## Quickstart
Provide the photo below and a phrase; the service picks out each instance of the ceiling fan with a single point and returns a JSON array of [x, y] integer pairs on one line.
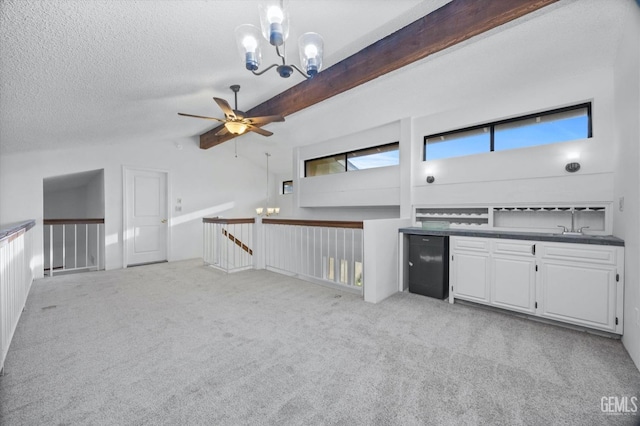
[[235, 121]]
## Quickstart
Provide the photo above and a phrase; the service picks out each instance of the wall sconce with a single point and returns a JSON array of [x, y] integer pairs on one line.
[[573, 164], [430, 179], [572, 167]]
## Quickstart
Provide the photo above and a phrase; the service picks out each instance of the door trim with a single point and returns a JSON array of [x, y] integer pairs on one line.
[[125, 224]]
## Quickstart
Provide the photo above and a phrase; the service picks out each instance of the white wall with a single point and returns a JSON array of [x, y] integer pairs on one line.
[[378, 187], [65, 204], [94, 197], [83, 200], [381, 262], [534, 174], [210, 182], [627, 176]]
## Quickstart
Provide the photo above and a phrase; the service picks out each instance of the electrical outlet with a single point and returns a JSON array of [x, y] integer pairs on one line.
[[179, 201], [178, 208], [621, 204], [93, 260]]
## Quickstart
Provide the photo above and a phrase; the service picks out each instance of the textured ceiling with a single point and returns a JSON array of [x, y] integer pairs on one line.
[[109, 71], [106, 72]]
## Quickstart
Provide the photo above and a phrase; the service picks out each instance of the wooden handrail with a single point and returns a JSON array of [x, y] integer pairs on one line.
[[71, 221], [322, 223], [15, 230], [227, 221]]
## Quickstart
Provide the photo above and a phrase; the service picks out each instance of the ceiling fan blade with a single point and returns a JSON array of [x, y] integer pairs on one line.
[[259, 130], [226, 108], [265, 119], [200, 116], [222, 131]]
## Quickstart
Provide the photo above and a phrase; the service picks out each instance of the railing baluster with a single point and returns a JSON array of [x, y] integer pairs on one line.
[[16, 278], [86, 245], [50, 250], [76, 235], [64, 248], [97, 246], [352, 276], [75, 245], [313, 250], [228, 243]]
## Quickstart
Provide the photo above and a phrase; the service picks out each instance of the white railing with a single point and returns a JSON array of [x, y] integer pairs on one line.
[[228, 243], [16, 276], [324, 251], [73, 244]]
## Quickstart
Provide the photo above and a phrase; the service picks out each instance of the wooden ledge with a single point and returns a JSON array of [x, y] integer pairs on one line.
[[71, 221], [227, 221], [322, 223]]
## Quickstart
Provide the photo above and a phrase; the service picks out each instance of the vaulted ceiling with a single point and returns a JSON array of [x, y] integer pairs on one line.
[[109, 72]]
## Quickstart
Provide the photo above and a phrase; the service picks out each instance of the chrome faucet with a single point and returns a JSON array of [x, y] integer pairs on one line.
[[573, 230]]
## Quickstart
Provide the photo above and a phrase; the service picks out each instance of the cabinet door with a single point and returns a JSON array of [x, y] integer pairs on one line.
[[579, 293], [471, 276], [513, 275], [513, 284]]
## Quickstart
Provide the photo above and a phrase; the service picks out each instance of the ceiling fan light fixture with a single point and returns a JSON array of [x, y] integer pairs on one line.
[[274, 20], [311, 46], [236, 127], [248, 39]]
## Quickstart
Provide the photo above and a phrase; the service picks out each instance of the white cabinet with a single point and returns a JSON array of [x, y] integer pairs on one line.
[[581, 284], [575, 283], [471, 276], [513, 284]]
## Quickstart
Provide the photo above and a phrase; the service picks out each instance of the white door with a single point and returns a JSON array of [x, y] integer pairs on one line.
[[146, 220]]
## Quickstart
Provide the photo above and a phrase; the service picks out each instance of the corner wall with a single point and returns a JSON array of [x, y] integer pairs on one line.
[[627, 175]]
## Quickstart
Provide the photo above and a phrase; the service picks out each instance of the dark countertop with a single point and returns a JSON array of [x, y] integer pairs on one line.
[[603, 240], [7, 230]]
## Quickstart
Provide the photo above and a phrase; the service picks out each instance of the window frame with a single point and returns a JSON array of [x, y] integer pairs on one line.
[[284, 183], [345, 155], [492, 126]]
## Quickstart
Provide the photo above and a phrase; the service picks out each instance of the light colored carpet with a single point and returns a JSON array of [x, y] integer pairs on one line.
[[180, 343]]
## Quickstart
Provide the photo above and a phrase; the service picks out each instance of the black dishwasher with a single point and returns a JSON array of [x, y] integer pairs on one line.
[[429, 265]]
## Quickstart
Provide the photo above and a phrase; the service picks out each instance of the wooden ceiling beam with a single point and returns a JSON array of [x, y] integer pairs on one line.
[[453, 23]]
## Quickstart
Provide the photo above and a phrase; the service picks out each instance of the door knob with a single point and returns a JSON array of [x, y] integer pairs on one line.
[[164, 221]]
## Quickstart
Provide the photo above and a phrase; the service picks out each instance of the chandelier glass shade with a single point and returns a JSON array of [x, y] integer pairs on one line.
[[274, 21]]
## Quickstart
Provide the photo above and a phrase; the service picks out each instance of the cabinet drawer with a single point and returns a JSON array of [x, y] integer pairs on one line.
[[579, 253], [513, 248], [470, 244]]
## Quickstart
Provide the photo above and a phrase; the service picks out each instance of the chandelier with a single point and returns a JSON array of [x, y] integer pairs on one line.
[[267, 211], [274, 20]]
